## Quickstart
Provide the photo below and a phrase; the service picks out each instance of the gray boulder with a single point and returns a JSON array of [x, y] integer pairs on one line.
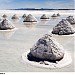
[[70, 19], [46, 49], [44, 17], [63, 28], [5, 25], [30, 18], [15, 17]]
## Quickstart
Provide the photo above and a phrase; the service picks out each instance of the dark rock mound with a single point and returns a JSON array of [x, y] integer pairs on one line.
[[24, 16], [44, 17], [58, 14], [15, 17], [45, 50], [4, 16], [54, 15], [71, 20], [5, 25], [63, 28], [30, 18]]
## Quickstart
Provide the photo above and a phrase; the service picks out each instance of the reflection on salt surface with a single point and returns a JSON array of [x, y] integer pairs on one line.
[[15, 21], [7, 33], [30, 25], [45, 21]]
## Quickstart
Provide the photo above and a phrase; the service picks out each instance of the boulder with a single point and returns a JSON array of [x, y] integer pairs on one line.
[[70, 19], [5, 25], [63, 28], [30, 18], [44, 17], [15, 17], [46, 49]]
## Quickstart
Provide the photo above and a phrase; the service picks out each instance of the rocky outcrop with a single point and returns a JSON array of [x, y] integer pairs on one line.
[[46, 49], [30, 18], [71, 20], [63, 28], [5, 25], [44, 17], [24, 16], [15, 17]]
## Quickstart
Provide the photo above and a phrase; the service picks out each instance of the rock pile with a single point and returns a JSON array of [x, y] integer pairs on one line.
[[44, 17], [24, 16], [70, 19], [63, 28], [4, 16], [30, 18], [15, 17], [5, 25], [46, 49]]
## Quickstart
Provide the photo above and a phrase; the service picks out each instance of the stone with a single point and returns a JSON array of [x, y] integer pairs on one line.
[[24, 16], [6, 24], [70, 19], [15, 17], [30, 18], [63, 28], [46, 50], [44, 17]]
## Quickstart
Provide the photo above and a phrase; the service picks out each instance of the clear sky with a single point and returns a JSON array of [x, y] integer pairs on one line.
[[8, 4]]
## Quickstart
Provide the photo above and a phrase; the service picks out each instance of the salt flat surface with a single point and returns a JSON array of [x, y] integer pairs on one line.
[[14, 44]]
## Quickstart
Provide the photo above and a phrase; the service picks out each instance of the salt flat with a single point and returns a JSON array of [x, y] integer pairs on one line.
[[14, 44]]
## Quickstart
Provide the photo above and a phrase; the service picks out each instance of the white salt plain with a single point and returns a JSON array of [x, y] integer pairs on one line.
[[13, 44]]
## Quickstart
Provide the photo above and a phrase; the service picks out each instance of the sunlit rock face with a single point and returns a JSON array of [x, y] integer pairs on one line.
[[63, 28], [44, 17], [54, 15], [15, 17], [46, 49], [6, 24], [30, 18], [24, 16], [4, 16], [70, 19]]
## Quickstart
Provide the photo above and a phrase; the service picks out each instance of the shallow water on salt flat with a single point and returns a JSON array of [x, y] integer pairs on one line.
[[13, 44]]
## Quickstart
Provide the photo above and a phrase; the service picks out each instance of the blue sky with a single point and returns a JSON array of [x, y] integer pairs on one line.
[[8, 4]]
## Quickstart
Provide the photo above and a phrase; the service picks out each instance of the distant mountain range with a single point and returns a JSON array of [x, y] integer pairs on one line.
[[39, 9]]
